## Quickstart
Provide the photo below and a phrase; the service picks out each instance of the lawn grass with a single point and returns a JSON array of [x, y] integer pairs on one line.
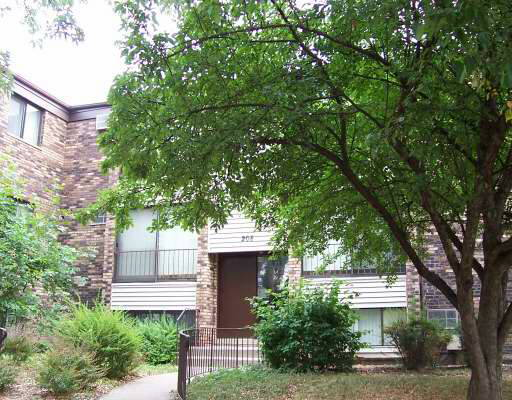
[[265, 384]]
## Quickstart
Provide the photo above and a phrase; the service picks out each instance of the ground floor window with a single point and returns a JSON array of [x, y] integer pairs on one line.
[[270, 274], [186, 319], [373, 321], [446, 318]]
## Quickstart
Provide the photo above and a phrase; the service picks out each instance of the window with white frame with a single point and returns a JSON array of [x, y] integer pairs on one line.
[[446, 318], [24, 120], [100, 219], [373, 321]]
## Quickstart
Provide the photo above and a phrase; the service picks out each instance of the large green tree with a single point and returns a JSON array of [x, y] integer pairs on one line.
[[367, 122]]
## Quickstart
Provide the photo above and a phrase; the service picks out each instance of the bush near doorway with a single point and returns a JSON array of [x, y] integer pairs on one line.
[[303, 329], [419, 341]]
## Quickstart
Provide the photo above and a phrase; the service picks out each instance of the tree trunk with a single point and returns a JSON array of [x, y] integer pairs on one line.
[[484, 348], [486, 383], [485, 353]]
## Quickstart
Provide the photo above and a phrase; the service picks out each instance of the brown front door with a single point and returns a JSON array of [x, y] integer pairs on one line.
[[237, 282]]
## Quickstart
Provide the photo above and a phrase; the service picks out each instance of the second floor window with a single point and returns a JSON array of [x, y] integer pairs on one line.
[[24, 120], [151, 256]]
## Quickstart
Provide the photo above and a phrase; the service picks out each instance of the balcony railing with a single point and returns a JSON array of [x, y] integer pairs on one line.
[[155, 265], [327, 264]]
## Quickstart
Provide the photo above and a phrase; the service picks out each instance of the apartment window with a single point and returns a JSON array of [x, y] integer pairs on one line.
[[23, 209], [448, 318], [24, 120], [373, 321], [100, 219], [270, 274], [332, 263], [145, 255]]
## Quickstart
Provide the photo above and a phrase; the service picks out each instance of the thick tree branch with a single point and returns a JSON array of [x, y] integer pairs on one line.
[[398, 232]]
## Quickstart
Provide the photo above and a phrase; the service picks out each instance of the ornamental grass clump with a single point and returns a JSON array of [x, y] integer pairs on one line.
[[159, 340], [8, 373], [303, 329], [111, 335], [19, 348]]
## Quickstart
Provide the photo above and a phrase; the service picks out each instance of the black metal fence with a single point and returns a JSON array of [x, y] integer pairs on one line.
[[3, 336], [155, 265], [206, 350]]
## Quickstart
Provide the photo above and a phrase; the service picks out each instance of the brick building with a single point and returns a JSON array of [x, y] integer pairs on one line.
[[53, 146]]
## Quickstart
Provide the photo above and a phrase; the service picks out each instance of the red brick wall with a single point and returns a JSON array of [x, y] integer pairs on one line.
[[207, 273], [41, 167], [82, 182], [432, 298]]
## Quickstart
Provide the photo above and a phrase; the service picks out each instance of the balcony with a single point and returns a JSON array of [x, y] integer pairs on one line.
[[155, 265], [311, 266]]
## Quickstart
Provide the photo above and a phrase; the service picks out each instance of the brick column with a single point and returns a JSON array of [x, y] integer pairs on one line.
[[207, 269], [413, 288], [109, 246], [293, 270]]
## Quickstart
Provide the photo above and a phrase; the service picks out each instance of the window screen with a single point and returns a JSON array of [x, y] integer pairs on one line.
[[447, 318], [373, 321]]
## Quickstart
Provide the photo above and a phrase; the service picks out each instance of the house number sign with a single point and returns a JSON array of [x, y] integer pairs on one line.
[[248, 238]]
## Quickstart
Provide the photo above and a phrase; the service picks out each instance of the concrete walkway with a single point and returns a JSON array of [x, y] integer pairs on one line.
[[155, 387]]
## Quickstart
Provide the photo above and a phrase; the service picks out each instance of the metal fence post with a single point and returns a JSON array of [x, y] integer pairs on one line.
[[182, 366]]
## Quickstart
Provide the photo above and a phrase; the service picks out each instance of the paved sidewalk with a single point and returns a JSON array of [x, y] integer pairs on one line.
[[155, 387]]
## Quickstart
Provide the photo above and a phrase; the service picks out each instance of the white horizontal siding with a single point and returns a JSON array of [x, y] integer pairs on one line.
[[230, 238], [368, 291], [153, 296]]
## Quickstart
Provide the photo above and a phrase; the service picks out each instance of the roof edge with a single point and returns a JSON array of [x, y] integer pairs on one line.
[[48, 102]]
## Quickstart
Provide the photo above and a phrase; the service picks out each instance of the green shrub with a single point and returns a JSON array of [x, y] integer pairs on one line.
[[419, 341], [8, 373], [66, 369], [110, 335], [19, 348], [304, 330], [159, 340]]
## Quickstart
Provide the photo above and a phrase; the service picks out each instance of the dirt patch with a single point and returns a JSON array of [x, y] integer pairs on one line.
[[26, 388]]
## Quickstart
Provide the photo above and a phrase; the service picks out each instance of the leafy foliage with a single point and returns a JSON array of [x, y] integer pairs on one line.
[[68, 369], [419, 341], [18, 348], [8, 373], [109, 334], [304, 330], [31, 255], [159, 340], [369, 123]]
